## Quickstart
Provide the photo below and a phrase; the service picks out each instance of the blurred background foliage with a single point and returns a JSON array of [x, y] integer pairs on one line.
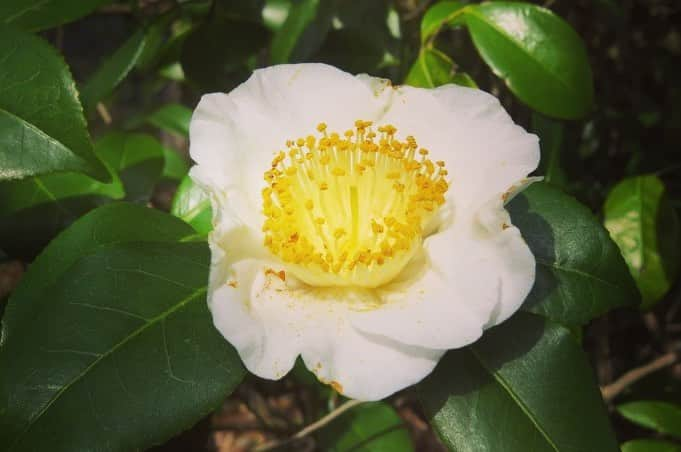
[[142, 65]]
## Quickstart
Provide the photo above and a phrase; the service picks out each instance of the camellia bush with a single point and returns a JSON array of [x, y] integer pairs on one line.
[[337, 225]]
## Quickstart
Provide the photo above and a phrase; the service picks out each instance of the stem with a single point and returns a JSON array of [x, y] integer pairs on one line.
[[616, 387], [310, 428]]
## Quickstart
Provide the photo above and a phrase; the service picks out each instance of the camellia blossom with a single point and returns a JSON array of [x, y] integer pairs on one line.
[[359, 225]]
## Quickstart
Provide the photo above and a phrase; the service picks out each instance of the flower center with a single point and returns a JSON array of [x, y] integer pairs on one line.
[[350, 210]]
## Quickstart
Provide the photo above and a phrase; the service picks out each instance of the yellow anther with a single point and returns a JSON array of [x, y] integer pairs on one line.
[[371, 219]]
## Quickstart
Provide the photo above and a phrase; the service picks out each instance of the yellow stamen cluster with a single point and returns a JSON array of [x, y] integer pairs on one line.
[[349, 210]]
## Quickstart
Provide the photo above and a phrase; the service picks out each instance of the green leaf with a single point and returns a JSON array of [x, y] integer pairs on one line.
[[172, 118], [537, 54], [112, 71], [580, 271], [442, 13], [550, 132], [663, 417], [122, 370], [303, 31], [138, 158], [646, 228], [175, 166], [372, 427], [525, 386], [38, 15], [215, 55], [192, 205], [34, 210], [42, 128], [650, 445], [433, 68]]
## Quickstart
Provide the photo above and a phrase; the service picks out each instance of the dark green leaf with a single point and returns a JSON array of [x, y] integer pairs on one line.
[[646, 228], [580, 271], [138, 159], [175, 166], [303, 31], [433, 68], [550, 132], [38, 15], [243, 9], [442, 13], [122, 370], [650, 445], [192, 205], [537, 54], [663, 417], [215, 55], [112, 71], [172, 118], [373, 427], [352, 50], [525, 386], [42, 128], [34, 210]]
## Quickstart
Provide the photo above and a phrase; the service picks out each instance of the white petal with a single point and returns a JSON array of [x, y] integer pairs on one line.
[[234, 136], [472, 275], [271, 322]]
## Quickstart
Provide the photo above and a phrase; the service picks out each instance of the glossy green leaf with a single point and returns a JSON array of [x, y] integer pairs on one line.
[[34, 210], [192, 205], [372, 427], [646, 228], [175, 166], [243, 9], [580, 271], [122, 370], [112, 71], [550, 132], [41, 14], [448, 12], [537, 54], [138, 159], [172, 118], [433, 68], [42, 128], [525, 386], [663, 417], [650, 445], [303, 31], [214, 56]]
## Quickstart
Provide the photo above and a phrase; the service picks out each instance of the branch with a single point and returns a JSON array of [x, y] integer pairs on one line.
[[312, 427], [613, 389]]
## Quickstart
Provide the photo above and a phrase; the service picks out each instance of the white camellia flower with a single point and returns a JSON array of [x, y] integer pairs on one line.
[[359, 225]]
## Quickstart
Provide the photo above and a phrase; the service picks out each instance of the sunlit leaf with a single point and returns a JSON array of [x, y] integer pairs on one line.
[[646, 228], [192, 205], [537, 54]]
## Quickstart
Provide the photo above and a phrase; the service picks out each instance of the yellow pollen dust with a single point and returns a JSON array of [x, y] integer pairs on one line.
[[349, 209]]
